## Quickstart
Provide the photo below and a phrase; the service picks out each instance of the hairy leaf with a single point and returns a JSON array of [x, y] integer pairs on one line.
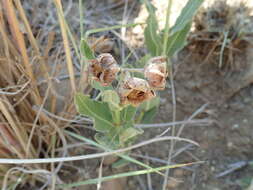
[[149, 115], [186, 15], [149, 110], [86, 50], [98, 86], [112, 98], [152, 38], [106, 141], [127, 114], [128, 134], [177, 40], [98, 111]]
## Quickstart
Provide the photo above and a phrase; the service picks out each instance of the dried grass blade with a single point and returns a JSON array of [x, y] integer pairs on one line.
[[19, 38], [66, 44]]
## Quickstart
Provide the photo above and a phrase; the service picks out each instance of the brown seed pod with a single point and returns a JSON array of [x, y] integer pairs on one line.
[[156, 72], [135, 91], [104, 69]]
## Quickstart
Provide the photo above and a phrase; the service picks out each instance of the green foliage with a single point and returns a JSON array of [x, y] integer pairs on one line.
[[98, 111], [98, 86], [173, 42], [127, 114], [186, 15], [149, 110], [114, 135], [86, 51], [129, 133], [177, 40], [120, 163], [152, 38], [245, 182], [177, 34], [113, 121], [107, 140], [112, 98]]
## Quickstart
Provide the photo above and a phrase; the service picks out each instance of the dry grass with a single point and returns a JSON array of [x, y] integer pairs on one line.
[[26, 130], [222, 32]]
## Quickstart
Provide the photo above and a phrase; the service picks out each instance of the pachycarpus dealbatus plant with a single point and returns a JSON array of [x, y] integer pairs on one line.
[[122, 98]]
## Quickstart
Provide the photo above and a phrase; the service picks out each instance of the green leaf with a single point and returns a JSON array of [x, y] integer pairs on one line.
[[86, 50], [150, 104], [98, 86], [245, 182], [179, 32], [177, 40], [112, 98], [120, 163], [106, 141], [149, 115], [128, 134], [149, 110], [152, 38], [127, 114], [186, 14], [98, 111]]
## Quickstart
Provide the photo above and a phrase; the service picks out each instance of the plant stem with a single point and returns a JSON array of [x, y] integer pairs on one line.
[[167, 28], [81, 17], [138, 70], [117, 117]]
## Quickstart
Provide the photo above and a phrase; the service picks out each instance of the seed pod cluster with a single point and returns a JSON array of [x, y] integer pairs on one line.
[[132, 90], [156, 72], [104, 69]]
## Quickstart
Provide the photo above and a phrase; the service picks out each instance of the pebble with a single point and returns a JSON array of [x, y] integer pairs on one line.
[[235, 126]]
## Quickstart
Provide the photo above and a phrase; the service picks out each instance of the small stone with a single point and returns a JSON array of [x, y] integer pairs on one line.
[[235, 126], [108, 160], [230, 144], [179, 173], [172, 183]]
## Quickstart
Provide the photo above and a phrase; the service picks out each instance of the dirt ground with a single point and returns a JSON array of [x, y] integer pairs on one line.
[[228, 140]]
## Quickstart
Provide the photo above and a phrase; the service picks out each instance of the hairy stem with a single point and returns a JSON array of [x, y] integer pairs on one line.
[[167, 28], [137, 70]]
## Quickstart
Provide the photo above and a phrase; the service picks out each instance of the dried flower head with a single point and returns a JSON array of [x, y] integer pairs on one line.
[[156, 72], [134, 91], [104, 69]]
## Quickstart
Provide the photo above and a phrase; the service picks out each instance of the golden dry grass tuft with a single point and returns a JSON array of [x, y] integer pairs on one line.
[[26, 87]]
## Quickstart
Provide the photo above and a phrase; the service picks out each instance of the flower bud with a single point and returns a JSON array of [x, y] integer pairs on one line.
[[135, 91], [156, 72], [104, 69]]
